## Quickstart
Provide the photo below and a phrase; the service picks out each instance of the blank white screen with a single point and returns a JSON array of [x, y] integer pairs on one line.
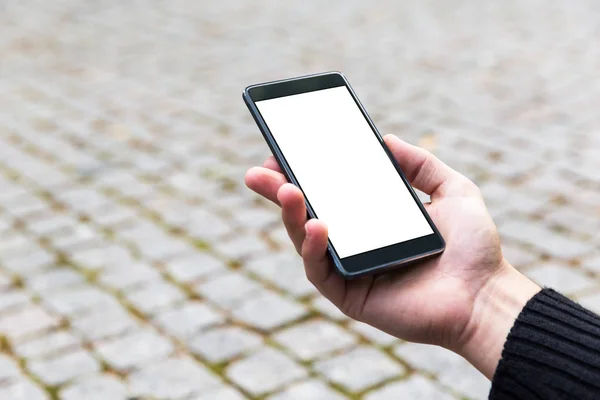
[[343, 170]]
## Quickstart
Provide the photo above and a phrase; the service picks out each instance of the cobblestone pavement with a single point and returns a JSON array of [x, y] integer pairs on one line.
[[134, 263]]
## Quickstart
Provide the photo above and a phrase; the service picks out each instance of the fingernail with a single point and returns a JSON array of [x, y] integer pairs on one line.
[[307, 231]]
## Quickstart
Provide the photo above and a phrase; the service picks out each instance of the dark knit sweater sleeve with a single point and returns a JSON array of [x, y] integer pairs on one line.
[[552, 352]]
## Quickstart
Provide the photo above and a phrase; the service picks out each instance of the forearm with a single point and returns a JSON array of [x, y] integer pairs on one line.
[[495, 310]]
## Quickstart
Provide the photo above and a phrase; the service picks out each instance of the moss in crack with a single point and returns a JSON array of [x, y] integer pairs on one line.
[[345, 392], [17, 282], [201, 245], [234, 264], [53, 392]]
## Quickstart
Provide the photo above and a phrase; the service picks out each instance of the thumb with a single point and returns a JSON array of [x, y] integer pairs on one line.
[[422, 169]]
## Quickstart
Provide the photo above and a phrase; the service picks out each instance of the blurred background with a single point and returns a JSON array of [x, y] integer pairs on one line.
[[135, 264]]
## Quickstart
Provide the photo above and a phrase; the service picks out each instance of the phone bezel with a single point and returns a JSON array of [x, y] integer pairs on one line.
[[372, 261]]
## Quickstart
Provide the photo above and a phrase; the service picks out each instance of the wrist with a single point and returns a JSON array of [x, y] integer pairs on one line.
[[495, 309]]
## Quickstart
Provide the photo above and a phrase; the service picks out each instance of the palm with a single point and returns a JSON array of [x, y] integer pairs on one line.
[[401, 303]]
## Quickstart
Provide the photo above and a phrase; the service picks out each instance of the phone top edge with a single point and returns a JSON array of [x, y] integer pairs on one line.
[[296, 78], [248, 88]]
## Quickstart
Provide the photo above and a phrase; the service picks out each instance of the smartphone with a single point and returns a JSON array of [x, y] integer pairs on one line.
[[326, 144]]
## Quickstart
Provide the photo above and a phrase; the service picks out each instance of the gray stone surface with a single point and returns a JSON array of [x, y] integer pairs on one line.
[[268, 310], [373, 334], [49, 344], [560, 277], [9, 369], [129, 276], [265, 371], [104, 323], [173, 378], [26, 322], [284, 270], [185, 321], [415, 387], [97, 387], [62, 368], [123, 145], [225, 343], [151, 298], [194, 266], [360, 368], [222, 393], [12, 300], [326, 307], [78, 300], [22, 389], [591, 302], [55, 279], [309, 390], [314, 339], [229, 290], [134, 350], [451, 369]]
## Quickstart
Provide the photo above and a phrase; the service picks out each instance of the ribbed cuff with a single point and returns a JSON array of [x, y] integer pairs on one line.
[[552, 352]]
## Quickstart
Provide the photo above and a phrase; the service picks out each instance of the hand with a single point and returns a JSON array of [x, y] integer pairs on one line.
[[443, 300]]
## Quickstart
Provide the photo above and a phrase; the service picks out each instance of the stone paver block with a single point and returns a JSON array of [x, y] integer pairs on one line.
[[164, 248], [46, 345], [592, 264], [373, 334], [194, 266], [221, 393], [415, 387], [451, 369], [9, 369], [28, 263], [104, 323], [188, 319], [314, 339], [265, 371], [5, 282], [242, 247], [591, 302], [78, 300], [64, 367], [546, 240], [97, 387], [26, 322], [173, 378], [23, 206], [519, 257], [309, 390], [228, 290], [155, 296], [360, 368], [257, 218], [134, 350], [561, 278], [13, 300], [268, 311], [50, 224], [204, 225], [16, 244], [54, 279], [284, 270], [222, 344], [129, 276], [327, 308], [104, 257], [23, 389]]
